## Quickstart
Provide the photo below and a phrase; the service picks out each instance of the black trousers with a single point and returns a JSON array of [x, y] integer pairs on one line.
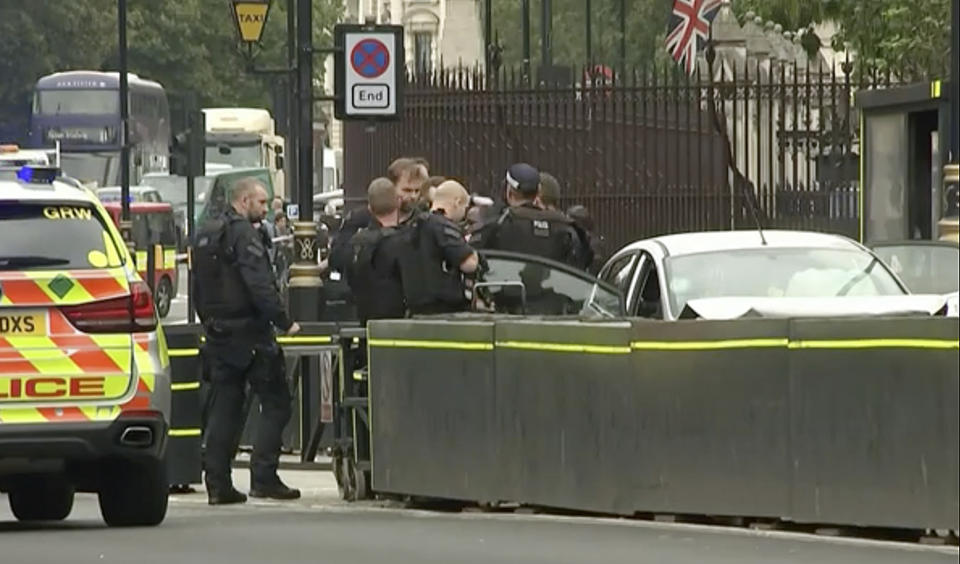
[[230, 368]]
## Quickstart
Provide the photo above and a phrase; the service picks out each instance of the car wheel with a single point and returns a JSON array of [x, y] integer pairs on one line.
[[163, 296], [41, 498], [134, 494]]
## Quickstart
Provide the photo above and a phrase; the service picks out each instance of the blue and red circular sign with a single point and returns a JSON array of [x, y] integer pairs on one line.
[[370, 58]]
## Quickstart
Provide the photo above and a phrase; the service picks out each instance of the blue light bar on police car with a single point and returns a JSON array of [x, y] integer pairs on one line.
[[38, 174]]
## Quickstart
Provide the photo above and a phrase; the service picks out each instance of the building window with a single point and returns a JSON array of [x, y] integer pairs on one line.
[[423, 51]]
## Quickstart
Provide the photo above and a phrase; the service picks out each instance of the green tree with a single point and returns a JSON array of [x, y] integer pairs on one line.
[[905, 36], [645, 24], [183, 44]]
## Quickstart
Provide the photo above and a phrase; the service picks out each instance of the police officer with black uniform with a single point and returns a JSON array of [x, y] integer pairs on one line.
[[438, 258], [374, 272], [525, 227], [240, 307]]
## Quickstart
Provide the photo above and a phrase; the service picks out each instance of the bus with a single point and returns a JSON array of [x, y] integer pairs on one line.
[[244, 138], [81, 111]]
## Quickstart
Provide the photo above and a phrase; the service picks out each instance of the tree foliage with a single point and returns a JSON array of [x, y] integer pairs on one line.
[[911, 36], [906, 36], [183, 44]]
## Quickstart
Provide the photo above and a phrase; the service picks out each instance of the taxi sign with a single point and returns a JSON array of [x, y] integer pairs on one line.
[[250, 17], [369, 71]]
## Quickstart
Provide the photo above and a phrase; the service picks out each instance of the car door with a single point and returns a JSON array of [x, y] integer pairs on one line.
[[523, 284], [647, 296]]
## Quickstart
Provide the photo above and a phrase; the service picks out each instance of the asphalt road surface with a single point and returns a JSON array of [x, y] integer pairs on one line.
[[331, 531]]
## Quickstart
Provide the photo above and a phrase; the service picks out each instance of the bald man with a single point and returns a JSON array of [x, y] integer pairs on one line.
[[438, 257], [241, 308]]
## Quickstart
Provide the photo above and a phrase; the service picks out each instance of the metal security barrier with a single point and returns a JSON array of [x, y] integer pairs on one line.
[[839, 421], [314, 353], [184, 446]]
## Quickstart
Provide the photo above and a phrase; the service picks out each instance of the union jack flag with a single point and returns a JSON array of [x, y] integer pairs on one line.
[[689, 28]]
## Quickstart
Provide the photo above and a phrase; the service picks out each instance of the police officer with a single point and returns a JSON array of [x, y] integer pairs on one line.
[[240, 307], [407, 176], [438, 257], [525, 227], [374, 274]]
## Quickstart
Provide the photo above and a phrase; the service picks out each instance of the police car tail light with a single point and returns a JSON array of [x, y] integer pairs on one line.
[[128, 314]]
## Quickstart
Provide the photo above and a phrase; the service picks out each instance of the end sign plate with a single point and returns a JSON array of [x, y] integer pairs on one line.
[[369, 73]]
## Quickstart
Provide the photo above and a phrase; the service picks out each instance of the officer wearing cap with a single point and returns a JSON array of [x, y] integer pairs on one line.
[[525, 227]]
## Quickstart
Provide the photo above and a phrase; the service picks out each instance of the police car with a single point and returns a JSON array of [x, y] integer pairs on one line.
[[84, 373]]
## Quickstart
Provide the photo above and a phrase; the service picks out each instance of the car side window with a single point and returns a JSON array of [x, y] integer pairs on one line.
[[548, 290], [649, 303]]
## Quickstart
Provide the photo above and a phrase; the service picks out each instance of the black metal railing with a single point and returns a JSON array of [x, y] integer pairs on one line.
[[648, 152]]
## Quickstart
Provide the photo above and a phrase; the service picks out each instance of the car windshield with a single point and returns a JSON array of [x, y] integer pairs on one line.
[[775, 273], [92, 169], [82, 240], [925, 269]]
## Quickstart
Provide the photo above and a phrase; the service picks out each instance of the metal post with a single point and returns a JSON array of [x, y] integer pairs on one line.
[[525, 22], [623, 35], [192, 105], [126, 227], [546, 33], [954, 80], [293, 117], [949, 224], [488, 33], [588, 32], [306, 285]]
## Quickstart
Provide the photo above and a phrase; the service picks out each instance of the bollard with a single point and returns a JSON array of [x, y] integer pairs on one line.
[[186, 370], [151, 268]]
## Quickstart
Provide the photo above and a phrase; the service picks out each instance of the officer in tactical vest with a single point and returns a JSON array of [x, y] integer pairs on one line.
[[525, 227], [374, 272], [438, 257], [240, 307]]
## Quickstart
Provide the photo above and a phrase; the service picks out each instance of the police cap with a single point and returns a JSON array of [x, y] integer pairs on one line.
[[523, 178]]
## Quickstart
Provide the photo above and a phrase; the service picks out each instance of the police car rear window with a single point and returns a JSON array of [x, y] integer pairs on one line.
[[54, 237]]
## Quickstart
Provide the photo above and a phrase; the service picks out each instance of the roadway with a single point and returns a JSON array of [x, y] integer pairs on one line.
[[321, 528]]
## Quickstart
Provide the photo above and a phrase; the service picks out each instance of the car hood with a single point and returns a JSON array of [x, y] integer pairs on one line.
[[734, 308]]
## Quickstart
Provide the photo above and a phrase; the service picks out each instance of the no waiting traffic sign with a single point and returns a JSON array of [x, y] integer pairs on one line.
[[369, 71], [370, 58]]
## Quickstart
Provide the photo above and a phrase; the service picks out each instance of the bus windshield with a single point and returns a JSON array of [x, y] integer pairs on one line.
[[92, 169], [57, 102]]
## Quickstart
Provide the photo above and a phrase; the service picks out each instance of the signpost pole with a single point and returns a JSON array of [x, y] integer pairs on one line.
[[126, 227]]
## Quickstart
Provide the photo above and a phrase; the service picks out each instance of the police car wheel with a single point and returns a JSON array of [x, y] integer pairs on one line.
[[134, 493], [41, 498], [163, 296]]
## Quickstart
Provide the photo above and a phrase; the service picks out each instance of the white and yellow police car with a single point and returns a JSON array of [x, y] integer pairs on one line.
[[84, 372]]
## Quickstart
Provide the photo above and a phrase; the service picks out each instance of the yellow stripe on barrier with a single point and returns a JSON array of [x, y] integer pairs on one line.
[[708, 345], [935, 89], [563, 347], [305, 340], [183, 352], [184, 386], [876, 344], [449, 345], [185, 432]]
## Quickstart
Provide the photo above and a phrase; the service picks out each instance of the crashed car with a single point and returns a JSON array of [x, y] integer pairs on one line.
[[733, 274]]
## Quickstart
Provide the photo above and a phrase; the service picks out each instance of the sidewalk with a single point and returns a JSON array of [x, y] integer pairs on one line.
[[317, 486]]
